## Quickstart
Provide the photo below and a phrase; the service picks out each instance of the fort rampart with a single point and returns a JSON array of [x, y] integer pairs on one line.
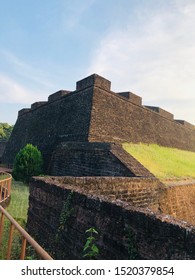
[[124, 212], [93, 113]]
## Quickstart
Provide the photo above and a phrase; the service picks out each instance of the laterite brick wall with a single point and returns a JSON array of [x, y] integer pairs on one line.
[[178, 200], [125, 232]]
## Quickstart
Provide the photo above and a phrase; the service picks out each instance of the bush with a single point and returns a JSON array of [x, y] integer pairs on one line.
[[28, 162]]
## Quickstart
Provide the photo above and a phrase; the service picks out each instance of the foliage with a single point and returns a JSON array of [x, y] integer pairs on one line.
[[28, 162], [163, 162], [66, 212], [90, 249], [5, 131]]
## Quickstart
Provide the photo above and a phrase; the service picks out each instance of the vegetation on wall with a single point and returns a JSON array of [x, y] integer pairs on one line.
[[28, 162], [163, 162], [90, 249], [5, 131]]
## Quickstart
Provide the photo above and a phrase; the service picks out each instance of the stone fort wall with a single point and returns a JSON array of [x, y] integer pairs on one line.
[[124, 211], [94, 159], [66, 116], [118, 118], [2, 148], [93, 113]]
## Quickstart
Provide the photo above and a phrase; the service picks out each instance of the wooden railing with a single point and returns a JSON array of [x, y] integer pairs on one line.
[[5, 186], [5, 191]]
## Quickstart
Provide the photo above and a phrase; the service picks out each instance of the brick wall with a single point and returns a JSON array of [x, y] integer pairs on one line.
[[116, 119], [93, 113], [65, 117], [178, 200], [125, 232], [138, 192], [94, 159]]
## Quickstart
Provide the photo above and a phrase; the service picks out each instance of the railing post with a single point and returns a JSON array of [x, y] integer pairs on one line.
[[23, 250], [10, 241], [1, 191], [9, 187], [5, 186], [1, 227]]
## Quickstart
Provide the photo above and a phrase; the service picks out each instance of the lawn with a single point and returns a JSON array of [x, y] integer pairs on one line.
[[17, 208], [163, 162]]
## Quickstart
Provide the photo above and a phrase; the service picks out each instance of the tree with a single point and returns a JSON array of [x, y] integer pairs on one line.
[[28, 162], [5, 131]]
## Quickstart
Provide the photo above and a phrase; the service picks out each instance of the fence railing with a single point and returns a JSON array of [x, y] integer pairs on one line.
[[5, 191], [5, 186]]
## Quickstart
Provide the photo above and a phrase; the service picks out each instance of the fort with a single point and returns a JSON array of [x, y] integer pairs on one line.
[[80, 134]]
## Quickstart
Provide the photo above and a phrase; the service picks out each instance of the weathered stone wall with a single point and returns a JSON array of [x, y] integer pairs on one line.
[[178, 200], [65, 116], [94, 159], [61, 210], [116, 119], [93, 113], [2, 148]]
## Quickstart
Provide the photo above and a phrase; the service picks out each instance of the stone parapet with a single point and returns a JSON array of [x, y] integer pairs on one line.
[[93, 80], [57, 95], [161, 111], [186, 124], [131, 97]]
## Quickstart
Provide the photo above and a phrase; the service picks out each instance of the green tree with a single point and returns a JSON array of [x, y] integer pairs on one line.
[[28, 162], [5, 131]]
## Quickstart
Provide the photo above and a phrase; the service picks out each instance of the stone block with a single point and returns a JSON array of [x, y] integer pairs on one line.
[[23, 111], [131, 97], [38, 104], [162, 112], [57, 95], [186, 124], [93, 80]]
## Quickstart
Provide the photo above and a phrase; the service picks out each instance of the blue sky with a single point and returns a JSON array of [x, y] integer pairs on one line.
[[143, 46]]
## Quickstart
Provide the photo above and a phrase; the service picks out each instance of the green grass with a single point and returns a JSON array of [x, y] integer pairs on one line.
[[17, 208], [3, 176], [163, 162]]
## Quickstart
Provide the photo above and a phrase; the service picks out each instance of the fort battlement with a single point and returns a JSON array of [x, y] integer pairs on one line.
[[98, 81], [94, 113]]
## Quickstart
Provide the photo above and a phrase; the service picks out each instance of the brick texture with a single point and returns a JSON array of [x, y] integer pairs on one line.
[[94, 159], [116, 119], [60, 119], [179, 201], [125, 231]]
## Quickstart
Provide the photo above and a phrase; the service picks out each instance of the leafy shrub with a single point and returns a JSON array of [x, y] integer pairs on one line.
[[28, 162]]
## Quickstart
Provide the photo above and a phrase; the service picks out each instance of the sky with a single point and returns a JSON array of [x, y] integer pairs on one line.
[[143, 46]]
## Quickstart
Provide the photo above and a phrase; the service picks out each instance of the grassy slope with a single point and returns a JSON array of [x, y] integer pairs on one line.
[[19, 202], [163, 162], [18, 209]]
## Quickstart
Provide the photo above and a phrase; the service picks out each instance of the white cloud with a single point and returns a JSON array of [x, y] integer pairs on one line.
[[13, 92], [73, 12], [25, 70], [153, 57]]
